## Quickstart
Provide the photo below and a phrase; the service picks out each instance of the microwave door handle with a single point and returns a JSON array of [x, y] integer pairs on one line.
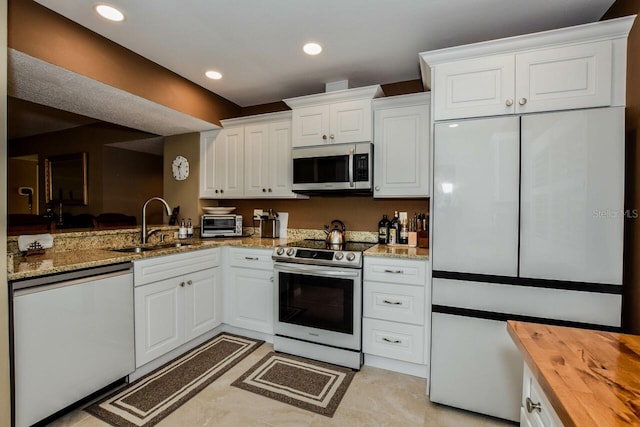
[[351, 167]]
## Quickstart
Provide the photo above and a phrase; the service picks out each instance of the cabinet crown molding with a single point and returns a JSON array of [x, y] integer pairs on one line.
[[595, 31], [366, 92], [419, 98], [255, 119]]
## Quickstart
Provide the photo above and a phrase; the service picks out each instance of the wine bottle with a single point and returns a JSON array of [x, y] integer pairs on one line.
[[383, 230]]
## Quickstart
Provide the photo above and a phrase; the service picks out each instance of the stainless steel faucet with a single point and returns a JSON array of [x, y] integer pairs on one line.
[[143, 233]]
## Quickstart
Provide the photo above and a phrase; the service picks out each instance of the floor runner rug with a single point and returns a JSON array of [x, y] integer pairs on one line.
[[151, 398], [307, 384]]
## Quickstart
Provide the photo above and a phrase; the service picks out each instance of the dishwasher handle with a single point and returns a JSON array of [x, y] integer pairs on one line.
[[39, 284]]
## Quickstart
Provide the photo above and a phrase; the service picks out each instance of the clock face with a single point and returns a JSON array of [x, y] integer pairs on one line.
[[180, 168]]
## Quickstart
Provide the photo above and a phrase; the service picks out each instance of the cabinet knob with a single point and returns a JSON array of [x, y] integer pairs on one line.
[[221, 191], [189, 282], [533, 406], [332, 137], [324, 137], [522, 101], [216, 191], [264, 190], [182, 284], [377, 188], [508, 102], [269, 190]]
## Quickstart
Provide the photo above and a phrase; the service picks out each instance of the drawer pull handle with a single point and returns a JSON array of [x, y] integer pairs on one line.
[[251, 258], [393, 271], [391, 341], [386, 301], [533, 406]]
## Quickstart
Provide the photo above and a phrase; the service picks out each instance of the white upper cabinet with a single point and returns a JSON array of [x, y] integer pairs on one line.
[[267, 161], [222, 163], [569, 68], [249, 158], [401, 139], [333, 117]]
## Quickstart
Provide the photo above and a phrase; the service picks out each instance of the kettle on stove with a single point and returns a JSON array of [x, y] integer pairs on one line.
[[335, 233]]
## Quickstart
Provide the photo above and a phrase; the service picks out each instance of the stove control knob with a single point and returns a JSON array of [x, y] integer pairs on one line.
[[351, 256], [291, 251], [280, 251], [339, 256]]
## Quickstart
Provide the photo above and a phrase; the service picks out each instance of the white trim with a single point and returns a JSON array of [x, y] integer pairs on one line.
[[409, 100], [366, 92], [258, 118]]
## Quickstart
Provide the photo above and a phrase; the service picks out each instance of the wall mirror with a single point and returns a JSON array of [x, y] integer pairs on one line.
[[66, 179]]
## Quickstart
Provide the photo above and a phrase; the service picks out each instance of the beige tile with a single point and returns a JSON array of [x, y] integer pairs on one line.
[[375, 398]]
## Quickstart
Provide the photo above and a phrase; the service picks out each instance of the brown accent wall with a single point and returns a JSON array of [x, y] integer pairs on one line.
[[183, 193], [129, 179], [631, 296], [60, 41], [21, 173], [359, 213], [85, 138]]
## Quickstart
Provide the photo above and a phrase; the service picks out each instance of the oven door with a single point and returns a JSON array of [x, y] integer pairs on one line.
[[319, 304]]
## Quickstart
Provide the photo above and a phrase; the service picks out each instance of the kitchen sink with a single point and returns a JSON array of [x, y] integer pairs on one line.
[[139, 249]]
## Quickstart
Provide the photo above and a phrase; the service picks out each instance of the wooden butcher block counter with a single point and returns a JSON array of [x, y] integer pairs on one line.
[[591, 378]]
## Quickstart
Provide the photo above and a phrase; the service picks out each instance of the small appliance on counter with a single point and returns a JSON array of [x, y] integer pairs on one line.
[[269, 225], [220, 224]]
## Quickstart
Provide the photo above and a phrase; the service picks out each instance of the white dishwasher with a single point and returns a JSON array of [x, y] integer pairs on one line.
[[73, 335]]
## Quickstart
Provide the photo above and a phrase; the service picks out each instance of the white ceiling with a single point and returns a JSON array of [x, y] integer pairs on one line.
[[256, 44]]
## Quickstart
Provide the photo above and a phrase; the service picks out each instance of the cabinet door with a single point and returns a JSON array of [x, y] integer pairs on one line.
[[203, 302], [229, 164], [564, 78], [209, 178], [402, 152], [474, 88], [252, 299], [280, 162], [310, 125], [351, 121], [475, 200], [159, 314], [256, 160], [573, 195]]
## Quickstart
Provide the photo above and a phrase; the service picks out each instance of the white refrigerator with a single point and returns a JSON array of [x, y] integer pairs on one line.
[[527, 225]]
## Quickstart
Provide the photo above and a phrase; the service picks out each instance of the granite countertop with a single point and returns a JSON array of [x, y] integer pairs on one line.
[[57, 262], [591, 378]]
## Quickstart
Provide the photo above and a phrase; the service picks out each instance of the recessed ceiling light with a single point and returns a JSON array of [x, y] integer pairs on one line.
[[109, 12], [213, 75], [312, 48]]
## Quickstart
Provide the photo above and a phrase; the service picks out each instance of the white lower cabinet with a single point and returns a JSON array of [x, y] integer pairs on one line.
[[536, 411], [182, 305], [249, 290], [395, 303]]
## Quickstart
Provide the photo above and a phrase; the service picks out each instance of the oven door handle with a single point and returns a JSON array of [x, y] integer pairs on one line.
[[318, 272]]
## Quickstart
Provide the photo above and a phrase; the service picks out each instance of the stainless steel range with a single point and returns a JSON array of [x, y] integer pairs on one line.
[[318, 301]]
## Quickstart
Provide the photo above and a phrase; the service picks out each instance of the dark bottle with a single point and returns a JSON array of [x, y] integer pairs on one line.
[[394, 229], [383, 230]]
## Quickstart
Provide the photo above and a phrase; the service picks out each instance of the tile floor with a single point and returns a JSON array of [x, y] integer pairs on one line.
[[375, 398]]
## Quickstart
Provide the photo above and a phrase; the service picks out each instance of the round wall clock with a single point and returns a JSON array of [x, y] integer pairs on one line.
[[180, 168]]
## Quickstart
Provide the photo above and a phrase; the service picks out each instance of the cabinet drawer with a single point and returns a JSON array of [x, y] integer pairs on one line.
[[397, 303], [167, 266], [393, 340], [544, 416], [408, 272], [251, 258]]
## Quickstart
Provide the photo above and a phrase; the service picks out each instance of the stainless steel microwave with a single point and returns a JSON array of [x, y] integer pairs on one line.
[[221, 225], [333, 168]]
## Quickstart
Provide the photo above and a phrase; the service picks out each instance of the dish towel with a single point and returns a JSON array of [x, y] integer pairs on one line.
[[45, 240]]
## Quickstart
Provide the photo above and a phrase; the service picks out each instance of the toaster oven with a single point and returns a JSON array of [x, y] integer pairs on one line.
[[221, 225]]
